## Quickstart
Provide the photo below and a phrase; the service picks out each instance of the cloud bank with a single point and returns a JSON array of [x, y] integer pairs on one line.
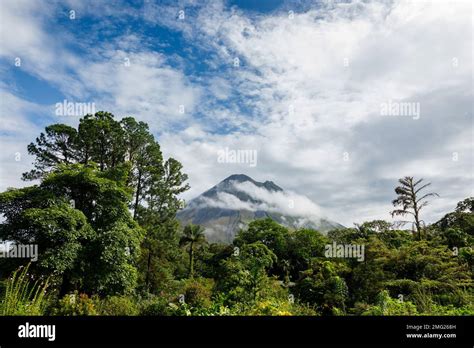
[[261, 199], [306, 93]]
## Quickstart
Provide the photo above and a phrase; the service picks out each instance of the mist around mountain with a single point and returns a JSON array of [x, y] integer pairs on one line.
[[230, 205]]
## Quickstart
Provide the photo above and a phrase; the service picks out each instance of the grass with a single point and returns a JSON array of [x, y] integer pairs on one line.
[[22, 295]]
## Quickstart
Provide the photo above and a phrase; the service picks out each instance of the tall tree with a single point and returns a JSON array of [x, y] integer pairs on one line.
[[124, 152], [156, 183], [410, 201], [323, 286], [143, 152], [85, 233], [243, 276], [161, 256], [275, 236], [165, 187], [101, 139], [193, 237], [57, 145]]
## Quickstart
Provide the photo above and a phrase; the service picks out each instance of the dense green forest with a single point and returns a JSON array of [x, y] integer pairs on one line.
[[103, 215]]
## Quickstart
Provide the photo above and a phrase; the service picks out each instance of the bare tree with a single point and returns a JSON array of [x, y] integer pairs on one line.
[[409, 201]]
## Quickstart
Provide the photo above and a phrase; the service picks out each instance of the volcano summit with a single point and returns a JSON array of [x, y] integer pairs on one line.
[[238, 199]]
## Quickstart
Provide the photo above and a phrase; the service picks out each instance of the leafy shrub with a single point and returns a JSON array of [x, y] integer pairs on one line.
[[451, 310], [190, 295], [198, 292], [216, 309], [77, 304], [118, 305], [386, 305], [156, 306], [270, 307]]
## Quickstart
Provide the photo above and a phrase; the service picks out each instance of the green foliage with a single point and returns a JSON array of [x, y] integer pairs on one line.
[[186, 297], [158, 307], [33, 215], [104, 218], [456, 229], [268, 232], [119, 305], [324, 287], [385, 305], [198, 292], [217, 308], [23, 296], [154, 182], [276, 300], [114, 271], [160, 258], [208, 258], [304, 246], [395, 238], [451, 310], [294, 250], [193, 237], [80, 220], [271, 307], [424, 264], [77, 305], [243, 275], [107, 167], [367, 278], [56, 146]]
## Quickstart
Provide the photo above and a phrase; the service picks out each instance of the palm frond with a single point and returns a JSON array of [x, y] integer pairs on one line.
[[428, 195], [417, 182], [422, 187], [400, 212]]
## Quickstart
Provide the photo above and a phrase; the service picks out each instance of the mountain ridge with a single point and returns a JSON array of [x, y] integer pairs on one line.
[[238, 199]]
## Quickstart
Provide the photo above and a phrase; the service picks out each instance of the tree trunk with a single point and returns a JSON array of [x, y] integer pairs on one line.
[[137, 195], [417, 223], [102, 155], [415, 210], [191, 260], [147, 280]]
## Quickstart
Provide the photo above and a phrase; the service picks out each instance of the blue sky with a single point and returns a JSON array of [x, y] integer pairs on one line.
[[306, 93]]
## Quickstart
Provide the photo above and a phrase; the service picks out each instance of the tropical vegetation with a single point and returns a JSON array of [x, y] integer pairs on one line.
[[102, 210]]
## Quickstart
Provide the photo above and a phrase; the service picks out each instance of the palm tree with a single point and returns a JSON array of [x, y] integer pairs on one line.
[[409, 200], [193, 236]]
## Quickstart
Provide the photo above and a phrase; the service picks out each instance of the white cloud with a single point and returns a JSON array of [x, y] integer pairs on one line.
[[149, 88], [310, 110], [314, 120], [141, 84], [16, 128], [285, 202], [282, 202]]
